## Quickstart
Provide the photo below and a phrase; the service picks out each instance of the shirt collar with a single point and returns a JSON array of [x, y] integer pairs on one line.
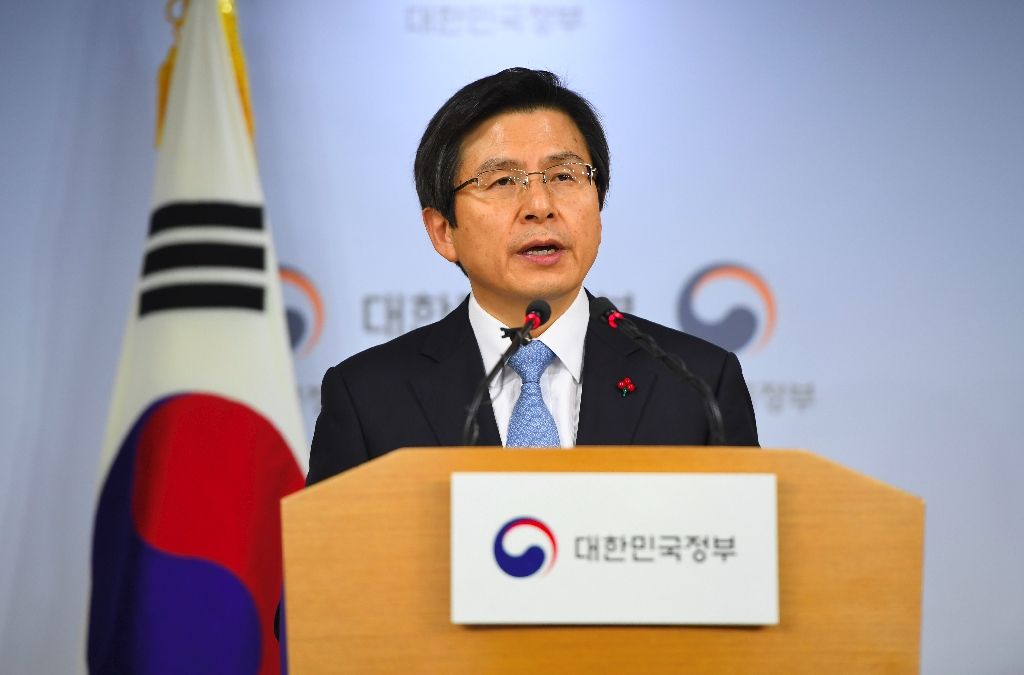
[[564, 337]]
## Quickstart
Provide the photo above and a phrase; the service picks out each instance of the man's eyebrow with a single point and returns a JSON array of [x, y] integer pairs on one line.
[[562, 157], [497, 163], [507, 163]]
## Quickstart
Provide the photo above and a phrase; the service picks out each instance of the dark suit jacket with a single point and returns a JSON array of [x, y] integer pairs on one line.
[[415, 390]]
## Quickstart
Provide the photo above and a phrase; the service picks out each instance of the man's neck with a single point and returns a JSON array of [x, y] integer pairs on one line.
[[511, 313]]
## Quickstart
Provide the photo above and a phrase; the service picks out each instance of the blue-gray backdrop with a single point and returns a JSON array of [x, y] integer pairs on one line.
[[844, 179]]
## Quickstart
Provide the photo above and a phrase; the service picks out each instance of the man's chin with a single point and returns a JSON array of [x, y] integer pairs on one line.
[[552, 292]]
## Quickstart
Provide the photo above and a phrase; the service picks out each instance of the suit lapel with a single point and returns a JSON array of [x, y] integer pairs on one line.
[[606, 417], [446, 388]]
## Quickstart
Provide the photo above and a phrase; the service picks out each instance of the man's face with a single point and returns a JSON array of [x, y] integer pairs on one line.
[[535, 245]]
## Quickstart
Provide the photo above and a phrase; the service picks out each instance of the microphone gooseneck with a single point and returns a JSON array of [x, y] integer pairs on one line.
[[537, 314], [605, 312]]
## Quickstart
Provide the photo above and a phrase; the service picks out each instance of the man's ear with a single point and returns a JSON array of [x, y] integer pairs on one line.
[[441, 233]]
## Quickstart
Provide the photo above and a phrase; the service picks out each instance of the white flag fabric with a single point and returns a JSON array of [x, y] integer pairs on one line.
[[204, 433]]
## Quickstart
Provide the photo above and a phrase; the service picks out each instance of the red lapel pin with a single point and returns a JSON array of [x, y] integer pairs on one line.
[[626, 386]]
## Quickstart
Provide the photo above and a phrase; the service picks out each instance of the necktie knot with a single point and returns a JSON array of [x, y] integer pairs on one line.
[[531, 360]]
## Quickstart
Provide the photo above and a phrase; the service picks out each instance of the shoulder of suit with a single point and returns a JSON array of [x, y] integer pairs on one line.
[[393, 355], [686, 345], [403, 355]]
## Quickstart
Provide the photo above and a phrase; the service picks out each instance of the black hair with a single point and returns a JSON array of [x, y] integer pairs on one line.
[[512, 90]]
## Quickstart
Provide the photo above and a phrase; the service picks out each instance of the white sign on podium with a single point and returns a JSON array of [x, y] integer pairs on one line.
[[614, 548]]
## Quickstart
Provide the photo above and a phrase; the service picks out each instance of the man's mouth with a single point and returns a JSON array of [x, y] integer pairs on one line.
[[541, 250], [540, 246]]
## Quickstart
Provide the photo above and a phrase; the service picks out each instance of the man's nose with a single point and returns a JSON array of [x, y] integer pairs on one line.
[[538, 204]]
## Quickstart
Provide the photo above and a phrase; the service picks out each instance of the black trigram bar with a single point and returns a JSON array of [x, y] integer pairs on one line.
[[201, 296], [208, 214], [175, 256]]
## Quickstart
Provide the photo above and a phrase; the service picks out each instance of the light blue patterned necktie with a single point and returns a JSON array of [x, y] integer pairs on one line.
[[532, 425]]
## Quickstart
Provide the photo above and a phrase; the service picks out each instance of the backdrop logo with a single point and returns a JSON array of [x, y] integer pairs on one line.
[[304, 310], [738, 327], [532, 559]]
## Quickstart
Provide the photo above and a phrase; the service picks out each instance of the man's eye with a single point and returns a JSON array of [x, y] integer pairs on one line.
[[562, 177], [503, 181]]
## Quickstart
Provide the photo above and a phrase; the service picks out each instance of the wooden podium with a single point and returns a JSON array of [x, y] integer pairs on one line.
[[367, 574]]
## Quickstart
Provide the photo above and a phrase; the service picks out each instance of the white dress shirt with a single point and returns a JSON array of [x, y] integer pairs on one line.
[[560, 385]]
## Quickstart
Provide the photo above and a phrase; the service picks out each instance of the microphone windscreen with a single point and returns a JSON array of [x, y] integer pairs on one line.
[[601, 308], [541, 308]]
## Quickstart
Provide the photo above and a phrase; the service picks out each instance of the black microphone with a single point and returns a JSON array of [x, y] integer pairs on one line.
[[605, 312], [537, 314]]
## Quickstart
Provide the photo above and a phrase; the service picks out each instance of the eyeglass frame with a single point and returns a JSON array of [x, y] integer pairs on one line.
[[591, 172]]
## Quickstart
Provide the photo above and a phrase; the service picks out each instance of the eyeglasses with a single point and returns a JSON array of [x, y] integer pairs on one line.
[[562, 179]]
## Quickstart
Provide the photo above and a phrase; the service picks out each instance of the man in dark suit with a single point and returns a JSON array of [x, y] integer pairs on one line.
[[512, 173]]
